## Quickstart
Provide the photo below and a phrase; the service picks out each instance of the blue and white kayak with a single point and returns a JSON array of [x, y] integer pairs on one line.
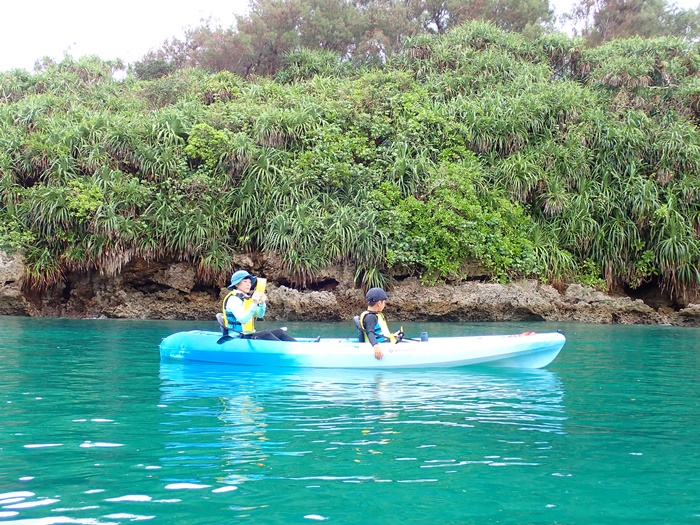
[[528, 350]]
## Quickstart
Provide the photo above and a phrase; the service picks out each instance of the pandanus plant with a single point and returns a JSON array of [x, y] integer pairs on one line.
[[535, 158]]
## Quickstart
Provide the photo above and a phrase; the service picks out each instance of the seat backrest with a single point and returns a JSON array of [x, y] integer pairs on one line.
[[360, 331]]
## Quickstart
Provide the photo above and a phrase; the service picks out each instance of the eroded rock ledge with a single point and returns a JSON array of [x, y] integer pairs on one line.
[[170, 291]]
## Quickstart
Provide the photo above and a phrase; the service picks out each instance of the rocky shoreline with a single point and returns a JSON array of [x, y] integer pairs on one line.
[[157, 290]]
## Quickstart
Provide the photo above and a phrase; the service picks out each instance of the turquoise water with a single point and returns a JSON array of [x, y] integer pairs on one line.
[[94, 429]]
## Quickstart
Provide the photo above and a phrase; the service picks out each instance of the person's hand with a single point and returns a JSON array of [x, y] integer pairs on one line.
[[259, 298], [378, 352], [399, 336]]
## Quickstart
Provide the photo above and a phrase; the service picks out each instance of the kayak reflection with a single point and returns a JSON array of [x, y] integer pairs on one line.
[[243, 424], [533, 397]]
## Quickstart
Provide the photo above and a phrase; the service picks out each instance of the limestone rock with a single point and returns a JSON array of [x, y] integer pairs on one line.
[[689, 316], [180, 276], [293, 305], [169, 290], [12, 271]]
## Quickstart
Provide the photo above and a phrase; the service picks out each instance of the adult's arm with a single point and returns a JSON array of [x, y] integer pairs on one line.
[[235, 306]]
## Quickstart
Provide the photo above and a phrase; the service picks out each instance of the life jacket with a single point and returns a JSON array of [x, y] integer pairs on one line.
[[230, 322], [381, 329]]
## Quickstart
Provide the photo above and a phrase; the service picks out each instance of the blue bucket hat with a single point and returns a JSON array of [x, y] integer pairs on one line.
[[238, 276]]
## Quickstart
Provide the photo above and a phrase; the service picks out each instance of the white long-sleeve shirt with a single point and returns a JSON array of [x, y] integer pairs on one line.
[[235, 308]]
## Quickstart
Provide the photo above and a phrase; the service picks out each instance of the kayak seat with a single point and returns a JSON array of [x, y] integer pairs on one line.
[[360, 331], [220, 320]]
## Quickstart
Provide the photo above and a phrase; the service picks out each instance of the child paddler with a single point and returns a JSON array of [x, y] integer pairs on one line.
[[373, 324]]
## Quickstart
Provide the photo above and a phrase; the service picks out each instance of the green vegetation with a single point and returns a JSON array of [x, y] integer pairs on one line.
[[525, 157]]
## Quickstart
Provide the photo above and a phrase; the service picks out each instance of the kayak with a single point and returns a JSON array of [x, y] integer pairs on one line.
[[528, 350]]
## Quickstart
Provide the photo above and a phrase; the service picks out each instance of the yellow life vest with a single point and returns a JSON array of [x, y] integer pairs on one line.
[[249, 326], [381, 322]]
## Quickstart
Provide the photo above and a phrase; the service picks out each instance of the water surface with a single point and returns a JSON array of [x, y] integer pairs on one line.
[[95, 429]]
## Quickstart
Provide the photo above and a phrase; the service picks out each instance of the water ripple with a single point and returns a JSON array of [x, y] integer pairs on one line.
[[101, 426]]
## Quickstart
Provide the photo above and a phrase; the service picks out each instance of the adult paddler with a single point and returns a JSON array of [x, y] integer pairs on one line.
[[240, 306], [243, 305]]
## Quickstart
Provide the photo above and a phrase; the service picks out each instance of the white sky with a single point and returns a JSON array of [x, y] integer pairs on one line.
[[126, 29]]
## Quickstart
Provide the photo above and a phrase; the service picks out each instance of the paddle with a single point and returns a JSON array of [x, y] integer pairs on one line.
[[404, 338]]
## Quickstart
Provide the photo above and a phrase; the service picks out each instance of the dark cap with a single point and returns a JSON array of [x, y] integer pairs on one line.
[[375, 295]]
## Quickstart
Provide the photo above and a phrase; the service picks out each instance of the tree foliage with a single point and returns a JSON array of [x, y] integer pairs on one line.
[[359, 31], [606, 20]]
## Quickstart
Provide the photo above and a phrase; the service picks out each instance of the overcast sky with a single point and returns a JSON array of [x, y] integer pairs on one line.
[[126, 29]]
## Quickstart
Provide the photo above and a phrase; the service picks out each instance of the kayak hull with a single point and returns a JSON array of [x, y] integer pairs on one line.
[[531, 350]]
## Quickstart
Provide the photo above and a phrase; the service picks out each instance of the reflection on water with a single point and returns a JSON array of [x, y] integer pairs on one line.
[[521, 387], [264, 421]]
